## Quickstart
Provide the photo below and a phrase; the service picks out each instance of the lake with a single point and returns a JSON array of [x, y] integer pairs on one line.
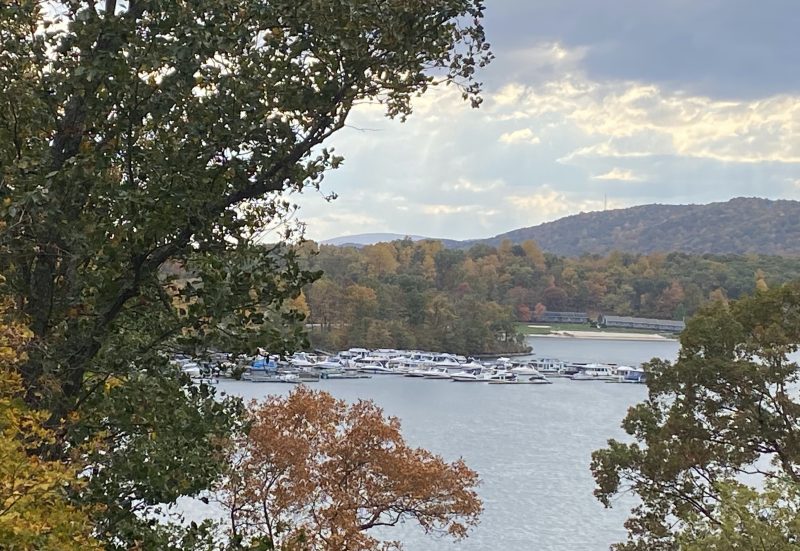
[[531, 444]]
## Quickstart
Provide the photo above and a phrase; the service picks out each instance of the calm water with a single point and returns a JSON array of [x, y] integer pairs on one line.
[[596, 350], [531, 445]]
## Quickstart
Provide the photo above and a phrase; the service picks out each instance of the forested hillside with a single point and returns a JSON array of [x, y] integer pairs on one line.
[[422, 295], [738, 226]]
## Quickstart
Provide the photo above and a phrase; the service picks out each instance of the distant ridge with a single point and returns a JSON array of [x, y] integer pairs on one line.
[[361, 239], [740, 226]]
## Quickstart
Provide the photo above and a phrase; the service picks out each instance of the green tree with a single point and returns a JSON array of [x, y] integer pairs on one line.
[[726, 409], [144, 134], [749, 519]]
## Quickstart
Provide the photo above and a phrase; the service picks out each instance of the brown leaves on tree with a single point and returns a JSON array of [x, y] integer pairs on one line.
[[316, 473]]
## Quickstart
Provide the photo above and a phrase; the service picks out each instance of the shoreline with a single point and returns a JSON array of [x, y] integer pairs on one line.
[[597, 335]]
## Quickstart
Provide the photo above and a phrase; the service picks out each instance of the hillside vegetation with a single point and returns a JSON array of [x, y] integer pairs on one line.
[[738, 226], [422, 295]]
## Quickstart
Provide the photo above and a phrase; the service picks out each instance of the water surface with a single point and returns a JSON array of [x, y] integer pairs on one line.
[[530, 444]]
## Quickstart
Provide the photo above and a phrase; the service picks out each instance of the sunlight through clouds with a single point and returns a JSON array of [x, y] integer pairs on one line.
[[630, 119], [524, 135], [555, 136], [618, 174]]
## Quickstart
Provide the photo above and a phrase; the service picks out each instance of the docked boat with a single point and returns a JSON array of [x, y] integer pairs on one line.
[[308, 376], [192, 369], [290, 378], [472, 367], [501, 375], [550, 367], [629, 374], [468, 377], [377, 369], [331, 364], [419, 372], [342, 374], [526, 370], [596, 372], [262, 368], [437, 373], [373, 366], [522, 381], [301, 360]]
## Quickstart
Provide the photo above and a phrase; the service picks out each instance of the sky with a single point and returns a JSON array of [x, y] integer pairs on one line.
[[588, 105]]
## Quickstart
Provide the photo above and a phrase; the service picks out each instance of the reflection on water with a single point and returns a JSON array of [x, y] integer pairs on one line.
[[531, 445]]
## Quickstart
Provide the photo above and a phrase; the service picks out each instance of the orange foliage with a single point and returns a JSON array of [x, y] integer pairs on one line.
[[316, 473]]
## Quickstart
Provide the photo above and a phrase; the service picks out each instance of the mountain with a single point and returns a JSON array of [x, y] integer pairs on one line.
[[362, 239], [739, 226]]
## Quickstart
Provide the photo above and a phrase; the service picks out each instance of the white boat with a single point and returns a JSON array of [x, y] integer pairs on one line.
[[342, 374], [450, 366], [377, 369], [369, 364], [301, 360], [437, 373], [521, 381], [502, 375], [415, 373], [291, 378], [330, 364], [596, 372], [526, 370], [548, 366], [192, 369], [627, 374], [472, 367], [469, 377]]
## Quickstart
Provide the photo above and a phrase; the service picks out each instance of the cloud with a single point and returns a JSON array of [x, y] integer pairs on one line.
[[549, 204], [524, 135], [451, 171], [717, 48], [630, 119], [438, 210], [463, 184], [620, 174]]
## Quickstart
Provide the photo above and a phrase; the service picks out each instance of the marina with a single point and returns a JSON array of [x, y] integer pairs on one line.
[[532, 447], [362, 363]]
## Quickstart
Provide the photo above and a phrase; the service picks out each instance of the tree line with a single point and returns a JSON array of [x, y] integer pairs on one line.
[[421, 294]]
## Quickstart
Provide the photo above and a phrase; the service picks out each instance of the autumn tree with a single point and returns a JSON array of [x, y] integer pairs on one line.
[[324, 301], [555, 298], [723, 416], [36, 511], [144, 134], [534, 254], [381, 259], [670, 299], [313, 472], [760, 282]]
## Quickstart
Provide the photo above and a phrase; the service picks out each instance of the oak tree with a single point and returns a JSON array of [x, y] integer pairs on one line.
[[313, 472], [716, 445], [144, 145]]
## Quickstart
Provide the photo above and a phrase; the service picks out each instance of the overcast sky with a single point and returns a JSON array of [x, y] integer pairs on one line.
[[588, 103]]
